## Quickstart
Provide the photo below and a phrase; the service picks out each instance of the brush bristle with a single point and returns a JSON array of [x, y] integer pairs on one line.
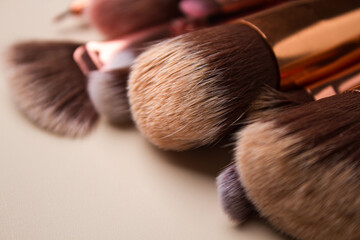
[[50, 89], [108, 92], [272, 101], [301, 168], [233, 196], [119, 17], [192, 90]]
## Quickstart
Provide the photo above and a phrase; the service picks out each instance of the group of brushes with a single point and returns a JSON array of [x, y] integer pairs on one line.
[[284, 74]]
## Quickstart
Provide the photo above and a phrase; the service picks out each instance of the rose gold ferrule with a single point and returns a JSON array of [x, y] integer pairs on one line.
[[96, 55], [340, 82], [311, 39]]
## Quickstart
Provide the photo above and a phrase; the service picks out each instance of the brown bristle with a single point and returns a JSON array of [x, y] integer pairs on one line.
[[49, 87], [272, 101], [119, 17], [108, 93], [301, 168], [192, 90]]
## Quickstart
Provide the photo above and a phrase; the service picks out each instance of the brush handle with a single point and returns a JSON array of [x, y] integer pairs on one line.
[[76, 7], [311, 39], [338, 83]]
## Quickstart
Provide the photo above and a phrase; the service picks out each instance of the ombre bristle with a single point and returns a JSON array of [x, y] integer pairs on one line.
[[50, 89], [300, 168], [194, 89]]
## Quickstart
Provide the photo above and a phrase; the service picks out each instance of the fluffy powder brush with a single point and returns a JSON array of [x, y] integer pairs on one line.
[[300, 169], [194, 89], [296, 162]]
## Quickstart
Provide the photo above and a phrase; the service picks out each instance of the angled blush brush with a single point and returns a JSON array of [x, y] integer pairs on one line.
[[268, 106], [51, 88], [116, 18], [300, 168], [194, 89]]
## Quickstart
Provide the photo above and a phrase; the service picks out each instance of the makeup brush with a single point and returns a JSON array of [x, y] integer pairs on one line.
[[300, 168], [195, 89], [51, 88], [116, 18], [270, 103]]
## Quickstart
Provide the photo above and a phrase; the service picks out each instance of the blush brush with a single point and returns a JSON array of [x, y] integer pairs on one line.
[[300, 168], [269, 105], [195, 89]]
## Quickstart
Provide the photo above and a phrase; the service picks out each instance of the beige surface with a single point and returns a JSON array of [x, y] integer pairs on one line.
[[109, 185]]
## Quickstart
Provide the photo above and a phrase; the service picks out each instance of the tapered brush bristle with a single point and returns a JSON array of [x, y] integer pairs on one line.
[[192, 90], [108, 92], [119, 17], [301, 168], [272, 101], [50, 89], [233, 196]]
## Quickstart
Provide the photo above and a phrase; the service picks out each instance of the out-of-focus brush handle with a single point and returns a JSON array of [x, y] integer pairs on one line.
[[76, 7], [311, 39], [338, 83]]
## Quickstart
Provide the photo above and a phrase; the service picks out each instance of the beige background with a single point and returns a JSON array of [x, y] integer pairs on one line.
[[109, 185]]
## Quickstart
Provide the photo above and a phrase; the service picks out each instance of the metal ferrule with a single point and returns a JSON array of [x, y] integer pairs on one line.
[[118, 53], [311, 39]]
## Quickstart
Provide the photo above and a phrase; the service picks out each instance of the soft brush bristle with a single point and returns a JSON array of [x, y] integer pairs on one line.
[[192, 90], [301, 168], [233, 196], [272, 101], [108, 93], [50, 89]]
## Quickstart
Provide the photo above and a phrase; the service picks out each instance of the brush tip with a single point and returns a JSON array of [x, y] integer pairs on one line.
[[108, 93], [233, 197], [300, 168], [50, 89], [194, 89]]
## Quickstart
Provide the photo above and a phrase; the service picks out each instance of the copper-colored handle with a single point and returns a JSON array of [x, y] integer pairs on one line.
[[340, 82], [311, 39]]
